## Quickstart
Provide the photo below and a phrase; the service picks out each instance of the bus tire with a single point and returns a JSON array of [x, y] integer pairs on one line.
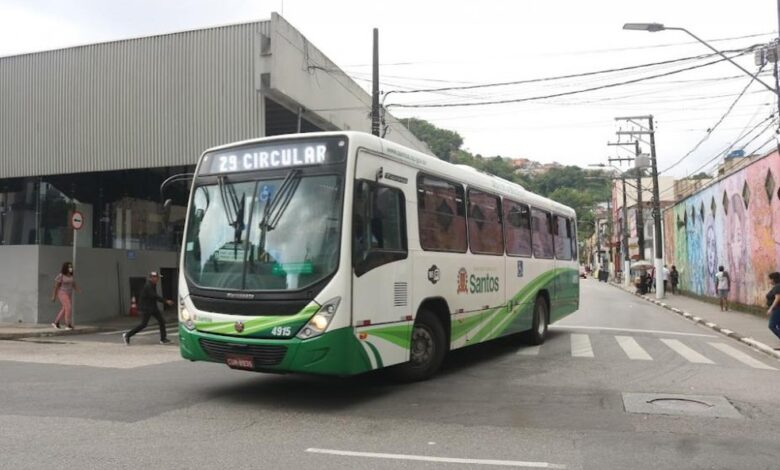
[[541, 320], [427, 348]]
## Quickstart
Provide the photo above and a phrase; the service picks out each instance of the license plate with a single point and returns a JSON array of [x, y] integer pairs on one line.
[[240, 362]]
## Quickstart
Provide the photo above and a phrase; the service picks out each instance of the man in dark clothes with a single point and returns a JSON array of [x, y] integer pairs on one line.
[[147, 304]]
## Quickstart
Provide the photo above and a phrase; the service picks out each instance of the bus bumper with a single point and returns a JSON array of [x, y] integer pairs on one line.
[[335, 352]]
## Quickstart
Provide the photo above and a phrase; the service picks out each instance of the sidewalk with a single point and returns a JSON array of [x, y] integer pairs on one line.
[[748, 328], [30, 330]]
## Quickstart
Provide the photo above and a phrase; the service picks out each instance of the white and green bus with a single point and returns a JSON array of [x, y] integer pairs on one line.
[[341, 253]]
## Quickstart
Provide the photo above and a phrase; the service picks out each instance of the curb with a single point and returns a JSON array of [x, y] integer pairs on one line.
[[51, 333], [756, 345]]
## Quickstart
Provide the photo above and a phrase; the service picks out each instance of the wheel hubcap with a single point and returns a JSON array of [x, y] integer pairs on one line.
[[422, 346]]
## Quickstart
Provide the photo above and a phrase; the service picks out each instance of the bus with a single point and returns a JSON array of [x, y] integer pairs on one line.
[[341, 253]]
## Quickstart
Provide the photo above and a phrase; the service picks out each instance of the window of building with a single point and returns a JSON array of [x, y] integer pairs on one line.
[[517, 228], [542, 234], [485, 232], [441, 211]]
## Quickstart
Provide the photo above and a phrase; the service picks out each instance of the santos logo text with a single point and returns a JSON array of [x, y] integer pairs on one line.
[[482, 284]]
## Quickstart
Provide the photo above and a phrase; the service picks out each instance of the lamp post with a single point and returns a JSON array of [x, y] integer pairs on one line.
[[655, 27]]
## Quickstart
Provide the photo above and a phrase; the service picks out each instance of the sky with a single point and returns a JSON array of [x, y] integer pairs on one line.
[[436, 43]]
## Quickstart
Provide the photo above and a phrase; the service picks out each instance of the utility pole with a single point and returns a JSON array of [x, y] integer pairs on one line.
[[640, 218], [649, 130], [375, 87], [624, 225]]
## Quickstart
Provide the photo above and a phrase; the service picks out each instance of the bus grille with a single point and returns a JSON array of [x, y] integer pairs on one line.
[[263, 355]]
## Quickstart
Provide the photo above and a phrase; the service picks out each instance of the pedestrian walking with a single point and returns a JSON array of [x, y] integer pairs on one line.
[[64, 285], [147, 304], [723, 285], [773, 302], [674, 277]]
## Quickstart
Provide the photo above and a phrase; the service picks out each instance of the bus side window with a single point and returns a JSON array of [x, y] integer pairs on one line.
[[542, 239], [517, 228], [484, 222], [562, 229], [378, 226], [441, 212]]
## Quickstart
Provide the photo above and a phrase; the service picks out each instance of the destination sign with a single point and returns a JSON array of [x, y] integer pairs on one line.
[[273, 155]]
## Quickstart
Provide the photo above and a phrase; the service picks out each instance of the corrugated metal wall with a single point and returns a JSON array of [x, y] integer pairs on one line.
[[149, 102]]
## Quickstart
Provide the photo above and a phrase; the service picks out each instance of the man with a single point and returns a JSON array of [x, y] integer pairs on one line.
[[147, 304], [723, 285]]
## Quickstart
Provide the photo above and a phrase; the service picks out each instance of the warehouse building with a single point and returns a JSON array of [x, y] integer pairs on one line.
[[97, 128]]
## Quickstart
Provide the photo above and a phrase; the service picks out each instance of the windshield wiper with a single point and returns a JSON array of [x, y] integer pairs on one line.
[[234, 209], [275, 207]]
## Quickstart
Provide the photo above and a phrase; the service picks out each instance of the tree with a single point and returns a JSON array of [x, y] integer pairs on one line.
[[442, 142]]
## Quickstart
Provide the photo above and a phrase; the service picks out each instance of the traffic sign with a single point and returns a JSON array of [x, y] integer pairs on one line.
[[77, 220]]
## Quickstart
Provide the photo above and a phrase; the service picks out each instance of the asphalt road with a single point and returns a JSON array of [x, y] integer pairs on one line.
[[90, 402]]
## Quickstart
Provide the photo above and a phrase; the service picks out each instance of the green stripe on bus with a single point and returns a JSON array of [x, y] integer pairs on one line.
[[396, 334], [377, 356]]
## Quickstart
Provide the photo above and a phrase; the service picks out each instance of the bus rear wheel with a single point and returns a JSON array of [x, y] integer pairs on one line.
[[541, 319], [427, 349]]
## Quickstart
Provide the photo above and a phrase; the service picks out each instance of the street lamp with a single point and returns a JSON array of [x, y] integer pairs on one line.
[[655, 27]]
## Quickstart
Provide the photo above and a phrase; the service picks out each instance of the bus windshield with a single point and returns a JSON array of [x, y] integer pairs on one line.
[[279, 234]]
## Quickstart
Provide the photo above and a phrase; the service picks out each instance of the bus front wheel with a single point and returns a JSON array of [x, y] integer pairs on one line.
[[541, 319], [427, 349]]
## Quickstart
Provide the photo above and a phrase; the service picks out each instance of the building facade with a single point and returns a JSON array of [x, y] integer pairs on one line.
[[732, 222], [98, 128]]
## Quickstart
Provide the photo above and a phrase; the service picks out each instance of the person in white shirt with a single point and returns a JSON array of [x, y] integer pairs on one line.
[[723, 285]]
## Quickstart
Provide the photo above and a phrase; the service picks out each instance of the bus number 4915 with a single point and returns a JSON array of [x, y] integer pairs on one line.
[[281, 331]]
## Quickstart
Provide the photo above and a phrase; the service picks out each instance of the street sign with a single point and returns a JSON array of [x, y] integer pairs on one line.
[[76, 220]]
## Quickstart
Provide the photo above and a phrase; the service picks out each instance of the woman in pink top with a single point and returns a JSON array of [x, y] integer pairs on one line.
[[64, 285]]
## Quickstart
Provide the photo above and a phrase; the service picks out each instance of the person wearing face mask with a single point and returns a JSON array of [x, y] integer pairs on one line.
[[64, 285]]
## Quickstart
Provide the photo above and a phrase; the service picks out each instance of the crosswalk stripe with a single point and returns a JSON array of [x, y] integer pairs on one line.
[[580, 346], [740, 356], [529, 351], [686, 352], [632, 349]]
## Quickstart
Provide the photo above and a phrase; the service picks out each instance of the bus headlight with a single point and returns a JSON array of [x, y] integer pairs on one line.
[[320, 321], [185, 317]]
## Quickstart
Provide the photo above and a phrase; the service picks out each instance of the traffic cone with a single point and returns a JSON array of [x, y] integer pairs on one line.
[[133, 307]]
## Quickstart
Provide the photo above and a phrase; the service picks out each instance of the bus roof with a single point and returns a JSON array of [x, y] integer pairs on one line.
[[429, 164]]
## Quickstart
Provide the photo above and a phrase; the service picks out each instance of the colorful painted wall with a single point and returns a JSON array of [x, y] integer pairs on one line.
[[734, 222]]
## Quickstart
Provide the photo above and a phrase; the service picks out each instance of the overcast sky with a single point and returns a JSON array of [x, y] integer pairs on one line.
[[435, 43]]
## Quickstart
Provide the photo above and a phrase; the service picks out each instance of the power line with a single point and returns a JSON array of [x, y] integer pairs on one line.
[[566, 93], [561, 77], [772, 120], [712, 129], [587, 51]]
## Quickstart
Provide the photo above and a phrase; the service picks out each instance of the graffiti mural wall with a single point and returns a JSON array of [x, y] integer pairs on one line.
[[734, 222]]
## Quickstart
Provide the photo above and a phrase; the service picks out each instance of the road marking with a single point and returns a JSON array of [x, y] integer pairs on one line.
[[632, 349], [580, 346], [529, 351], [630, 330], [740, 356], [686, 352], [425, 458]]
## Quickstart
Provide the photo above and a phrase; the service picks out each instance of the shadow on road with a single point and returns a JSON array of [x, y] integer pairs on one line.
[[325, 394]]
